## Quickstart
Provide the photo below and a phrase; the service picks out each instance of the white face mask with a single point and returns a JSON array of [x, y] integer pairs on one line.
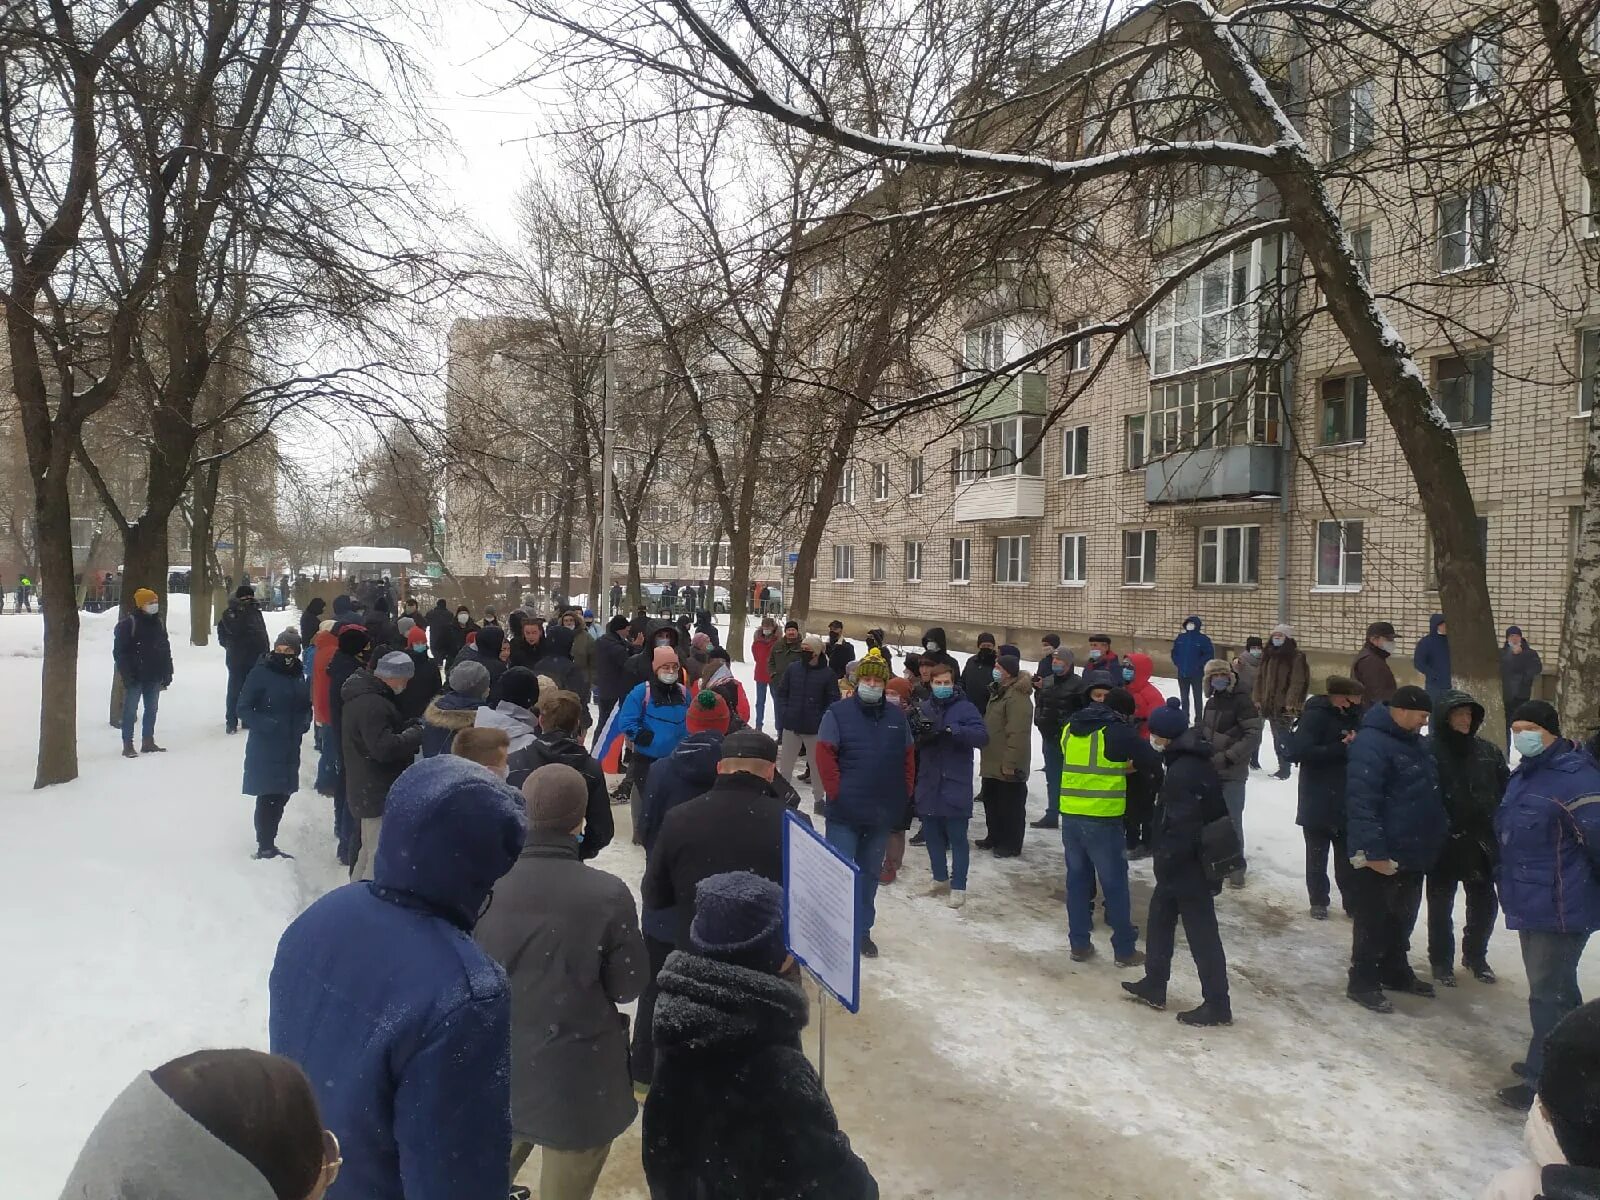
[[667, 676], [1189, 628], [153, 607], [931, 647], [462, 618]]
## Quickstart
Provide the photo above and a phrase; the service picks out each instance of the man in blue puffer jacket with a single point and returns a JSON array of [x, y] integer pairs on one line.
[[1397, 829], [1548, 827], [1191, 651], [1432, 657], [401, 1021]]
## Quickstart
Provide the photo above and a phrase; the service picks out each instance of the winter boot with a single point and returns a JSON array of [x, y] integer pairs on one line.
[[957, 898], [1416, 987], [1481, 970], [1048, 821], [1518, 1096], [937, 889], [919, 838], [1207, 1014], [128, 751], [1082, 953], [266, 852], [1146, 993], [150, 747], [1319, 912], [1134, 958], [1444, 976], [869, 948], [888, 875], [1373, 1001]]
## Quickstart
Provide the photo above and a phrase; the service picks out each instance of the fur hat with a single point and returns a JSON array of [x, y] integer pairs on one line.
[[1218, 666], [354, 640], [814, 643], [243, 590], [1284, 630], [738, 919], [557, 798], [1342, 685], [1168, 721], [470, 679]]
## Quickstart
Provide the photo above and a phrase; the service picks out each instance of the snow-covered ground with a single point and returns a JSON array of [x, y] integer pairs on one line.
[[983, 1063]]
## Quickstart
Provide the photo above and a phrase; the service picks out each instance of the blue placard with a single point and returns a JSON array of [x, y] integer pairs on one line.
[[794, 557], [820, 899]]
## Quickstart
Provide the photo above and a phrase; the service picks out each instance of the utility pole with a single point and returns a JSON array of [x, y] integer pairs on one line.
[[607, 465]]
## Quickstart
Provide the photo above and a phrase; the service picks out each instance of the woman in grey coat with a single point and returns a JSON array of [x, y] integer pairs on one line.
[[568, 937]]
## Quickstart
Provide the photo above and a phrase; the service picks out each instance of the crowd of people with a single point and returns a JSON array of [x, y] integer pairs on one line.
[[449, 1038]]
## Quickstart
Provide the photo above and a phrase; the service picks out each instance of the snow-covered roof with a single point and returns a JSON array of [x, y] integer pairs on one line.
[[372, 554]]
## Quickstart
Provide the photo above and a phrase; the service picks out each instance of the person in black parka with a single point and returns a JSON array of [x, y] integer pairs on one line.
[[1320, 743], [242, 634], [561, 717], [142, 654], [311, 619], [275, 705], [978, 674], [1472, 779], [1191, 798], [736, 1110], [611, 654]]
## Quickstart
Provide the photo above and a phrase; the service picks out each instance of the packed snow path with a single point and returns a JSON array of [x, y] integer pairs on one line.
[[983, 1064]]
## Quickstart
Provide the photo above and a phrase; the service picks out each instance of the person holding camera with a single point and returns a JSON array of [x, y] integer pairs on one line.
[[948, 729]]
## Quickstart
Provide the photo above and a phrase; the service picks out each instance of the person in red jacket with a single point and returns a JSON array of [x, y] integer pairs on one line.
[[1145, 697], [761, 654]]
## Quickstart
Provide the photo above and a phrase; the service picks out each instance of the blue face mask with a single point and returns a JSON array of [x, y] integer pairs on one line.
[[1529, 742], [1220, 683], [943, 691], [1059, 667], [1127, 674], [996, 675], [870, 693]]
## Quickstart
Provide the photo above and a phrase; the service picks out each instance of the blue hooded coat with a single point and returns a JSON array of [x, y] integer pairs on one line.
[[1432, 657], [944, 765], [275, 707], [1192, 650], [401, 1021], [1395, 808], [1548, 827]]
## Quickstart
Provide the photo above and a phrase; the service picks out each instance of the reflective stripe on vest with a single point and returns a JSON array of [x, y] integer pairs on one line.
[[1091, 786]]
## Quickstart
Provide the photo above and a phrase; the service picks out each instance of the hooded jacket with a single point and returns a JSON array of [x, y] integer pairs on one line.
[[341, 667], [1192, 650], [689, 771], [639, 669], [242, 633], [1472, 779], [944, 764], [1431, 658], [423, 685], [518, 722], [275, 708], [445, 717], [736, 1111], [311, 619], [1283, 680], [556, 746], [145, 1145], [660, 708], [450, 637], [568, 938], [559, 666], [1190, 799], [1009, 719], [1548, 828], [1146, 699], [942, 652], [611, 654], [377, 743], [401, 1021], [1121, 739], [977, 675], [1232, 725], [1395, 810], [1318, 745], [485, 651], [325, 646]]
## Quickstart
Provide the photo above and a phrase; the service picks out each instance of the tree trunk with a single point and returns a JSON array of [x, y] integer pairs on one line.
[[1578, 687], [200, 555], [635, 579], [738, 588], [58, 699]]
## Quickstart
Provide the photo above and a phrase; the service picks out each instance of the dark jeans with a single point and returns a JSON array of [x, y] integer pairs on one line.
[[1136, 821], [1386, 908], [236, 678], [948, 851], [639, 775], [1282, 733], [1551, 961], [642, 1056], [864, 846], [1318, 843], [1199, 916], [761, 703], [1052, 778], [132, 693], [269, 814], [1482, 909], [1094, 848], [346, 827], [1005, 808], [327, 761], [1192, 694]]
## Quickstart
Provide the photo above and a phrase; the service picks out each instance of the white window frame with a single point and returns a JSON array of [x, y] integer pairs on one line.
[[916, 476], [1467, 228], [880, 482], [993, 450], [1235, 406], [1012, 560], [1351, 120], [1588, 220], [1212, 544], [1361, 247], [913, 563], [1080, 355], [817, 282], [1145, 552], [1210, 318], [844, 492], [1342, 528], [1074, 551], [1355, 391], [1136, 441], [877, 562], [1075, 452], [961, 561], [1588, 365], [844, 563], [1472, 69], [1479, 369]]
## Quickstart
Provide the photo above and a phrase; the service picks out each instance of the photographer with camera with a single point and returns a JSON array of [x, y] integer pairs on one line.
[[948, 730]]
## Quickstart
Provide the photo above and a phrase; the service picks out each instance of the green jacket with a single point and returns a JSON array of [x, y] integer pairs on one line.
[[1009, 718], [783, 654]]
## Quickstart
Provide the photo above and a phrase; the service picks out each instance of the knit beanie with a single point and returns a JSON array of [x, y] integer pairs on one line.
[[557, 798], [520, 686], [243, 590], [1342, 685], [290, 638], [738, 919], [1011, 664], [791, 625], [873, 666], [986, 637], [1284, 630], [617, 624], [1539, 712], [354, 640], [416, 636], [144, 596], [1009, 648], [1168, 721], [814, 643], [700, 640], [663, 656], [900, 690], [395, 665], [470, 679], [708, 713], [1569, 1085], [1053, 640], [1120, 700], [405, 625], [1413, 698]]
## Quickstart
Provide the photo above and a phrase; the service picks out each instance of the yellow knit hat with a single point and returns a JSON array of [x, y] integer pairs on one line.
[[873, 666], [144, 596]]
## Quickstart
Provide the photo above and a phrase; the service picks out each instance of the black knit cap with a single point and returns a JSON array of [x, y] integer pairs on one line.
[[1569, 1084], [1541, 713], [1411, 697], [738, 919], [1120, 700]]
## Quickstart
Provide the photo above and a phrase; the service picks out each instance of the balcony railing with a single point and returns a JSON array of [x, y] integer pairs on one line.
[[1222, 473], [1025, 392], [1006, 498]]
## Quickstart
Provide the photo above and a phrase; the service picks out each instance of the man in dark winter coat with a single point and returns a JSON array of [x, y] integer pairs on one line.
[[486, 652], [737, 1110], [1397, 828], [1431, 658], [1102, 658], [352, 654], [276, 707], [1472, 779], [1232, 724], [1191, 799], [1282, 682], [1371, 667], [559, 666], [978, 674], [242, 633], [841, 651], [691, 769], [1191, 651], [804, 693], [437, 623], [1057, 695], [788, 651], [142, 655], [1321, 745], [935, 649], [611, 654], [1520, 668], [401, 1022], [526, 637], [456, 709], [449, 640], [568, 938], [381, 627], [424, 683], [559, 740], [378, 745]]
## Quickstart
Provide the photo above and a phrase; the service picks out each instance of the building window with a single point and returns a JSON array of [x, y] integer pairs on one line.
[[960, 560], [700, 554], [880, 482], [844, 564], [1588, 367], [817, 282], [1209, 318], [515, 549], [1350, 120], [1361, 246], [1139, 558], [844, 491], [1081, 353], [1074, 559], [814, 490], [1339, 554], [913, 552], [914, 476], [1011, 559], [1471, 69], [1138, 447], [1432, 563], [999, 449], [658, 554], [878, 562], [1225, 408], [1230, 555], [1344, 410], [1075, 452], [660, 514], [1468, 225], [1464, 387], [986, 347]]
